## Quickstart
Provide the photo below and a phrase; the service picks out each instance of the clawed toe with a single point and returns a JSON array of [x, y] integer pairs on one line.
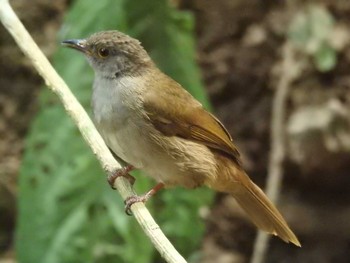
[[132, 200], [121, 172], [129, 201]]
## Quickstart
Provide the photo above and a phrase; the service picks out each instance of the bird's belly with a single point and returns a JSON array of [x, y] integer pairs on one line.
[[126, 143], [171, 160]]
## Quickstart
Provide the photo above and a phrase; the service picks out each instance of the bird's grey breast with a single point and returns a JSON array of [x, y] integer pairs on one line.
[[116, 103], [109, 101]]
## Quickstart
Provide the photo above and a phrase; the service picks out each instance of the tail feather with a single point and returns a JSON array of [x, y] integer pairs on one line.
[[263, 213]]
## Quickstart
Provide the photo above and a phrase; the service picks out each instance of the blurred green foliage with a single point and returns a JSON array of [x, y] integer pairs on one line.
[[67, 211], [310, 30]]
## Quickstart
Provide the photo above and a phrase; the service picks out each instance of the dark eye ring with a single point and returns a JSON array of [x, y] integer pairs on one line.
[[103, 52]]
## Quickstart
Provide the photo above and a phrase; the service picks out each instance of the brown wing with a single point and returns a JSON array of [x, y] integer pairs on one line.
[[174, 112]]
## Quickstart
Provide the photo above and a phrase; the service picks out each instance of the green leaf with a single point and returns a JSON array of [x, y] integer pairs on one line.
[[310, 29], [66, 210], [321, 22], [299, 31], [325, 59]]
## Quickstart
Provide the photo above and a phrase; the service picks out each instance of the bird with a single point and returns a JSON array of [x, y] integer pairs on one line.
[[152, 123]]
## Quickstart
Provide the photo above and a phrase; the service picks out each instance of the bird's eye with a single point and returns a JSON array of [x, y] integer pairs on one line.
[[103, 52]]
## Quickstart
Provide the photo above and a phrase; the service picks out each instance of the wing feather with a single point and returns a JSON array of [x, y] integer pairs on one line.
[[174, 112]]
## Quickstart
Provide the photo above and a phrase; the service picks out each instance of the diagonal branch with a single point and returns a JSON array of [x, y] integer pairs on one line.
[[73, 108]]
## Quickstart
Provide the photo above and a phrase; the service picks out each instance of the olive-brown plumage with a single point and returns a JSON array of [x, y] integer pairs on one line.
[[151, 122]]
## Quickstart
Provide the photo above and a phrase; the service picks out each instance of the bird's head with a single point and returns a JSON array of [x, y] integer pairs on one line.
[[112, 53]]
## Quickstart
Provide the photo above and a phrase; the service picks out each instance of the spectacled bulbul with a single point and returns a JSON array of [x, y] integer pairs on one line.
[[148, 120]]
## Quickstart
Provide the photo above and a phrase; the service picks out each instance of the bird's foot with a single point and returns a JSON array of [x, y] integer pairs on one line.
[[129, 201], [134, 199], [124, 171]]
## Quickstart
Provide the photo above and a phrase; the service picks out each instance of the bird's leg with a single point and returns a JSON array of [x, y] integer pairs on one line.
[[140, 198], [124, 171]]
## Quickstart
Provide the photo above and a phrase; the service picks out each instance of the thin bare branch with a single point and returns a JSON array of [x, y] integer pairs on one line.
[[55, 83], [288, 73]]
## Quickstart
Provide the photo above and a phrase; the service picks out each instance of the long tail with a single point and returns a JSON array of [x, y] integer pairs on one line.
[[263, 213]]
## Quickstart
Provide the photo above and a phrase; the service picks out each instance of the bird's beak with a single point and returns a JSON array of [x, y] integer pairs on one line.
[[78, 44]]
